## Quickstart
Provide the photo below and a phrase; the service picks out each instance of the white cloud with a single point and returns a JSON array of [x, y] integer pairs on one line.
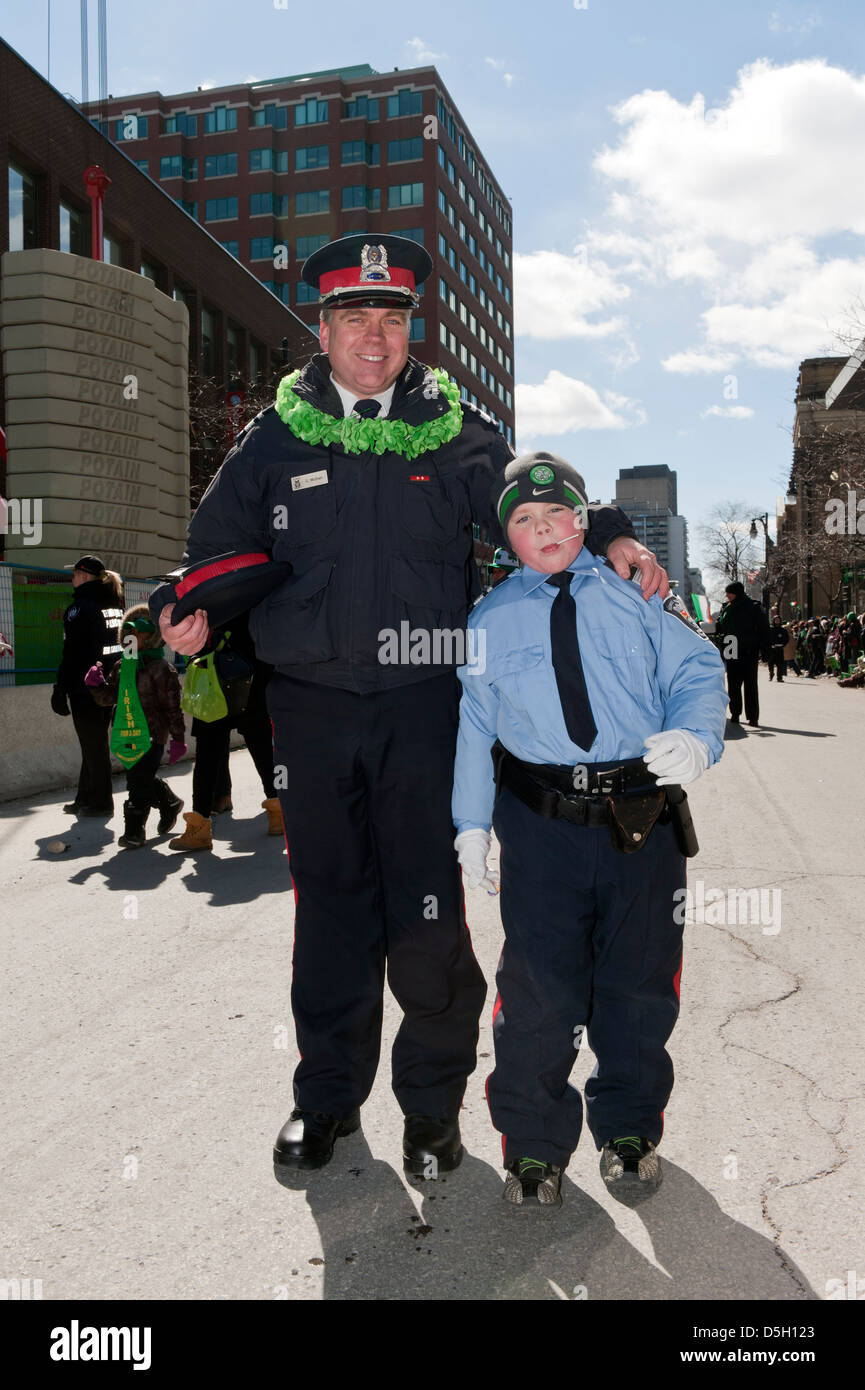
[[739, 200], [693, 361], [561, 404], [728, 412], [554, 294], [420, 52], [499, 65]]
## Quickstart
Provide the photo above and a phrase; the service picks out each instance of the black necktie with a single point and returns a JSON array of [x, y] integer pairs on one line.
[[366, 409], [567, 663]]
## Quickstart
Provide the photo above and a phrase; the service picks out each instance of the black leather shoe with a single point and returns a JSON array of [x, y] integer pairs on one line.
[[431, 1146], [73, 808], [306, 1139]]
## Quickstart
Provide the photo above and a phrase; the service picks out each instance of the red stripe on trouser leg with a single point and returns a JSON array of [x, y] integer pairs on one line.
[[676, 983]]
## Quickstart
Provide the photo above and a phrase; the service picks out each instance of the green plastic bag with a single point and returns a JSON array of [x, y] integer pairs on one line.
[[203, 696]]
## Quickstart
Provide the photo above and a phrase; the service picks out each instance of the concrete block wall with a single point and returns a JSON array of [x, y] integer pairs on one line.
[[95, 371]]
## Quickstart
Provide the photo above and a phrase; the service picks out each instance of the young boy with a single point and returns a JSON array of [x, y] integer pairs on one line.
[[143, 670], [592, 702]]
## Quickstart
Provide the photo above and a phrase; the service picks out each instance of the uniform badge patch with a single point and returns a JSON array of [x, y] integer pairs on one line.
[[309, 480]]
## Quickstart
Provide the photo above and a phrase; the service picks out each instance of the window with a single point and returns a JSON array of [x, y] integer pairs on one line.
[[143, 165], [361, 106], [452, 258], [473, 363], [130, 128], [310, 112], [473, 284], [261, 248], [170, 167], [461, 189], [443, 159], [443, 290], [256, 357], [508, 365], [506, 257], [271, 114], [191, 208], [232, 247], [231, 350], [507, 329], [443, 246], [507, 294], [473, 324], [462, 230], [451, 172], [274, 203], [359, 196], [263, 159], [312, 157], [221, 118], [360, 152], [464, 354], [402, 195], [316, 201], [452, 301], [217, 208], [401, 150], [412, 234], [405, 103], [417, 329], [464, 275], [73, 231], [219, 165], [463, 313], [180, 123], [443, 335], [306, 294], [473, 244], [452, 342], [307, 244], [112, 252], [282, 292], [508, 400]]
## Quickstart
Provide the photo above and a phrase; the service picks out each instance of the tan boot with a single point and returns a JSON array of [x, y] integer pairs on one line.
[[274, 816], [197, 834]]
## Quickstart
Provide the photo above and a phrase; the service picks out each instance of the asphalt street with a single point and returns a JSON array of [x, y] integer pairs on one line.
[[149, 1048]]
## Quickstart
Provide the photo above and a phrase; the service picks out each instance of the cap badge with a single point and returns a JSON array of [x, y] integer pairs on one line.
[[542, 474], [373, 264]]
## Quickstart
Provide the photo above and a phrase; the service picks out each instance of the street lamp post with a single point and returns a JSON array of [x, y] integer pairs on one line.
[[764, 522]]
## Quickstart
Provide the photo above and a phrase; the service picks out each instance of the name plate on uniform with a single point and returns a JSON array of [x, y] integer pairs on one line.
[[309, 480]]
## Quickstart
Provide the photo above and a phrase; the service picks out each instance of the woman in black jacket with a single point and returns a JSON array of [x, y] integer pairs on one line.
[[91, 626]]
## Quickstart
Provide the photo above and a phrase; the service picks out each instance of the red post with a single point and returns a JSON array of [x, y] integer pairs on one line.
[[96, 181]]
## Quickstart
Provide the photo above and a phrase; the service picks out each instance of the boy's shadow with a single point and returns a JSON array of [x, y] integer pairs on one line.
[[246, 864], [465, 1244]]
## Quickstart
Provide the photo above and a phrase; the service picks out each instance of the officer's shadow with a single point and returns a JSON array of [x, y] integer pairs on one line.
[[466, 1244]]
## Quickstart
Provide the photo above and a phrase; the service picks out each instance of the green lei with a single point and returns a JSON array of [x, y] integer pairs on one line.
[[358, 436]]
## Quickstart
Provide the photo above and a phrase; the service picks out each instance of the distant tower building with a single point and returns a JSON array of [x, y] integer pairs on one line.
[[649, 496]]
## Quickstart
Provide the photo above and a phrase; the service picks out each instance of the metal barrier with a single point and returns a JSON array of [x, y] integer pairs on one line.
[[32, 603]]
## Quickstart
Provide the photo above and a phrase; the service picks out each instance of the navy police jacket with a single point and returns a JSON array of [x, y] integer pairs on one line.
[[375, 541]]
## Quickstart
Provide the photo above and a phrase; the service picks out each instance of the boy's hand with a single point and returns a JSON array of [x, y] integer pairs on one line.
[[472, 847], [624, 552], [676, 757]]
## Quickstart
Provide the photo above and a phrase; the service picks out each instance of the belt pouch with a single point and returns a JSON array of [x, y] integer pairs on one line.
[[683, 826], [632, 817]]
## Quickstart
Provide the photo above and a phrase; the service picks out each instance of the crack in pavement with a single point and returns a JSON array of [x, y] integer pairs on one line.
[[813, 1087]]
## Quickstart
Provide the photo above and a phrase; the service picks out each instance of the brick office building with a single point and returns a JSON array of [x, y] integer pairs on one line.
[[275, 169], [239, 332]]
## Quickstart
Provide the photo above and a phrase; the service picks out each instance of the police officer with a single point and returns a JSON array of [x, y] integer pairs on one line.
[[91, 626], [366, 475]]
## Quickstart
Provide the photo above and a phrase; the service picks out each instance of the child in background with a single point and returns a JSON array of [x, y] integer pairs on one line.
[[593, 703], [156, 685]]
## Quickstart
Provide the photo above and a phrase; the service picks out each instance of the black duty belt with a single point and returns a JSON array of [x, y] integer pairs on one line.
[[577, 794]]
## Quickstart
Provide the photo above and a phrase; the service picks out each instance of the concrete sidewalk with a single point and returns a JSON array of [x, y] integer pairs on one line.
[[149, 1050]]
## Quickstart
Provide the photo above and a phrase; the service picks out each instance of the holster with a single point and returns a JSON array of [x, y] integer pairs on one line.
[[683, 826], [632, 817]]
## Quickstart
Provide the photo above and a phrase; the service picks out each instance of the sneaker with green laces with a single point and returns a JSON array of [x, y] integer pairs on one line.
[[630, 1166], [532, 1185]]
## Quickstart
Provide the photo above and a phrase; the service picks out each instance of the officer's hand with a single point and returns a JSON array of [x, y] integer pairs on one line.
[[624, 552], [472, 847], [190, 634], [59, 702], [676, 757]]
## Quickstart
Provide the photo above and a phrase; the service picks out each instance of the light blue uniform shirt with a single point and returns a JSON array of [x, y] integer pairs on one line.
[[645, 671]]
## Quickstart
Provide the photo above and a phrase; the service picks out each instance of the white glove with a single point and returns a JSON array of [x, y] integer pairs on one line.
[[676, 757], [472, 847]]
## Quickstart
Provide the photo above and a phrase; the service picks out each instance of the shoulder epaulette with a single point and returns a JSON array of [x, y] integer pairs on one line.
[[254, 421], [481, 414]]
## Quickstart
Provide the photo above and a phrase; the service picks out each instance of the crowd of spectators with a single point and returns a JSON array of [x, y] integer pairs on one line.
[[826, 646]]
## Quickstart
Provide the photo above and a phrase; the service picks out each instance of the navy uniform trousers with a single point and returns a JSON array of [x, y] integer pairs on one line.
[[590, 943], [377, 887]]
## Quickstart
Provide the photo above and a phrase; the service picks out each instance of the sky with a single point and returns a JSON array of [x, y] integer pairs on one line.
[[686, 181]]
